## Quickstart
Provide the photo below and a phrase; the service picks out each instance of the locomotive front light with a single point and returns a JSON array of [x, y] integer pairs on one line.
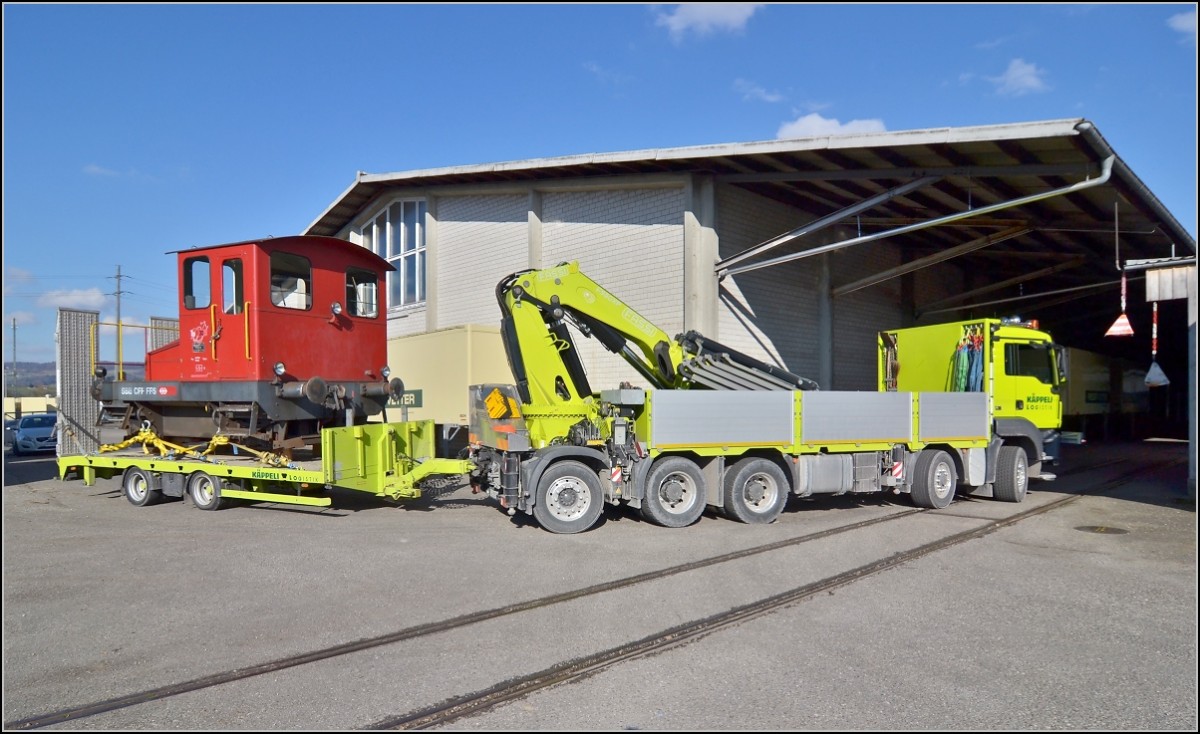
[[385, 371], [100, 373], [280, 369], [336, 308]]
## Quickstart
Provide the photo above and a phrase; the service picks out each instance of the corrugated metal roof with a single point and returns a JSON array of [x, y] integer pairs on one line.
[[1072, 240]]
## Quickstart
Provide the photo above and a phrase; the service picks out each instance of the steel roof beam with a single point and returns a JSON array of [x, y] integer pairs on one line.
[[1074, 262], [929, 260], [823, 222], [1106, 172]]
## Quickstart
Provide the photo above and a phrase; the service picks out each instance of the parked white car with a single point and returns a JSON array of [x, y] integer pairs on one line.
[[35, 433]]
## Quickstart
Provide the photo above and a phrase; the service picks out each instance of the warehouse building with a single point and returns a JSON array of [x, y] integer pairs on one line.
[[795, 252]]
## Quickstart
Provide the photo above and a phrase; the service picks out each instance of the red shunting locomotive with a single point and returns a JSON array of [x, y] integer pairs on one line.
[[278, 338]]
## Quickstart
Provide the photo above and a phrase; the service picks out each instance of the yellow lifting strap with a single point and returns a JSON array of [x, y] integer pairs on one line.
[[148, 438]]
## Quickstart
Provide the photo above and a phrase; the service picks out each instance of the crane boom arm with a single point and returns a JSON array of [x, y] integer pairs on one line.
[[538, 305]]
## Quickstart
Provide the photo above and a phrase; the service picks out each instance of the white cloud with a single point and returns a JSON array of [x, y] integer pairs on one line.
[[1020, 78], [90, 298], [604, 76], [813, 125], [751, 91], [12, 276], [1185, 23], [706, 18], [993, 43], [92, 169]]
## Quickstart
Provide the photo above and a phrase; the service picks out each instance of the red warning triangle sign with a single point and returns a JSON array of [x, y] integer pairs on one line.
[[1120, 327]]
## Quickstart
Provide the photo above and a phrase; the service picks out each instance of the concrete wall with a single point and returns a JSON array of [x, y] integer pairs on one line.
[[441, 364], [24, 406]]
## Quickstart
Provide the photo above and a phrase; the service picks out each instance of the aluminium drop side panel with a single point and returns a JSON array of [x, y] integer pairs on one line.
[[705, 418], [831, 417], [78, 412], [954, 416]]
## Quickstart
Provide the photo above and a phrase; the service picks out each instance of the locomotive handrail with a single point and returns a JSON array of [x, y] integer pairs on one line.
[[212, 317], [246, 326]]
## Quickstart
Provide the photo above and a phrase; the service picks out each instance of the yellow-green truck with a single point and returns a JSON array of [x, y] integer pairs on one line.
[[711, 427], [1018, 366]]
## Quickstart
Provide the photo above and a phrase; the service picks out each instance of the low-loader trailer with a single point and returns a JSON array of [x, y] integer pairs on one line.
[[389, 460], [715, 428]]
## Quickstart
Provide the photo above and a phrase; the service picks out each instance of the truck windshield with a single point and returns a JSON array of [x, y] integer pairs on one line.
[[1029, 360]]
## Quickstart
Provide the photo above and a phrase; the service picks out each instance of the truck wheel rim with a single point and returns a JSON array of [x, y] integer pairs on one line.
[[677, 493], [760, 492], [942, 482], [136, 486], [204, 491], [568, 498]]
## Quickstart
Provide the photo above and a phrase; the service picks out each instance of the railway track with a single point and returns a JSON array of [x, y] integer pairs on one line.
[[480, 701]]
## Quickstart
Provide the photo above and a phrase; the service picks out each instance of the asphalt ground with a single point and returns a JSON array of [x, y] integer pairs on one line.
[[1081, 617]]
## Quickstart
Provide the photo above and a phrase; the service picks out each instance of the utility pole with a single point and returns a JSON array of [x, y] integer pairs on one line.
[[120, 330]]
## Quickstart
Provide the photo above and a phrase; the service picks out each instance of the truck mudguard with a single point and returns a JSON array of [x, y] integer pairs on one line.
[[533, 467], [1021, 432]]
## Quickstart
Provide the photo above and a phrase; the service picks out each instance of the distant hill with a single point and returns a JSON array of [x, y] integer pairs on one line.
[[33, 379]]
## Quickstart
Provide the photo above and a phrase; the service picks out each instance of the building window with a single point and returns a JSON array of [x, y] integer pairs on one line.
[[397, 234]]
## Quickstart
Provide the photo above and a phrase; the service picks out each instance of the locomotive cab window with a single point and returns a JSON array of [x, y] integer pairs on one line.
[[196, 288], [231, 283], [362, 293], [291, 281]]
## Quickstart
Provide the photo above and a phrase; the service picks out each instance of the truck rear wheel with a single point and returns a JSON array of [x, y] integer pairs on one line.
[[934, 480], [1012, 474], [569, 498], [755, 491], [675, 493], [205, 491], [138, 488]]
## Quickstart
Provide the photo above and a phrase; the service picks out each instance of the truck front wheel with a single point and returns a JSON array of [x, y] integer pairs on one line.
[[675, 493], [1012, 474], [568, 498], [934, 480], [755, 491]]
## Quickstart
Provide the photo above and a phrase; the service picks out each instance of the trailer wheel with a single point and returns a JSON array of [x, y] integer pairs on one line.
[[139, 490], [934, 480], [205, 491], [755, 491], [1012, 474], [568, 498], [675, 493]]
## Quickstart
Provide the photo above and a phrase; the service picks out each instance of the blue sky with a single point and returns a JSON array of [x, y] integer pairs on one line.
[[134, 130]]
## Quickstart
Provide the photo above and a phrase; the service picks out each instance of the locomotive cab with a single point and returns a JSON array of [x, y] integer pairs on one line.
[[278, 338]]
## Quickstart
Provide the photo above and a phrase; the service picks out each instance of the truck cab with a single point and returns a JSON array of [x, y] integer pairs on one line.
[[1018, 365]]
